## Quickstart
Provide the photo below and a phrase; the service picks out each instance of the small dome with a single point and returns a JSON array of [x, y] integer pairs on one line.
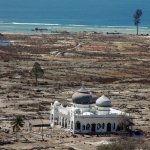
[[82, 96], [103, 101], [56, 103]]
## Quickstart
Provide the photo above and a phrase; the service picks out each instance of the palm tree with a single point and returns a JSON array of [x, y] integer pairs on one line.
[[17, 123], [37, 71], [136, 17]]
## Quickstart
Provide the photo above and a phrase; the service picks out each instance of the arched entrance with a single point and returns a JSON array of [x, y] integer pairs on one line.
[[109, 127], [88, 126], [63, 122], [103, 125], [93, 127], [78, 125]]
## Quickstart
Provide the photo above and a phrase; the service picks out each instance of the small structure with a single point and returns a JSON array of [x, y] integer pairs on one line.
[[87, 114]]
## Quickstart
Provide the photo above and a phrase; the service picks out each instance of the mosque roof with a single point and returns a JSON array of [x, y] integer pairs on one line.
[[56, 103], [83, 90], [82, 96], [88, 113], [103, 101]]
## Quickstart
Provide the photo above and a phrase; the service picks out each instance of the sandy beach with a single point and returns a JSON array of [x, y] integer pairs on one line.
[[115, 65]]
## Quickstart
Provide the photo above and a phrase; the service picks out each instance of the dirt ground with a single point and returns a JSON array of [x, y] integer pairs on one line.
[[115, 65]]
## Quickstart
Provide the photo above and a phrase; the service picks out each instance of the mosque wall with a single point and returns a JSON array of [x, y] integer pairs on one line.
[[95, 125], [86, 115]]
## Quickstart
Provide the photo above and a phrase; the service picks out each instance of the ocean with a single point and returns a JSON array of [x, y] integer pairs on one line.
[[73, 15]]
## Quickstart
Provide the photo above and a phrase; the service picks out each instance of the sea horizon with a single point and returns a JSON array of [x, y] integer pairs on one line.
[[29, 28], [73, 16]]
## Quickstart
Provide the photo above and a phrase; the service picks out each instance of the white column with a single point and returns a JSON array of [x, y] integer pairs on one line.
[[70, 123], [74, 120], [67, 123], [73, 127], [54, 119], [60, 121]]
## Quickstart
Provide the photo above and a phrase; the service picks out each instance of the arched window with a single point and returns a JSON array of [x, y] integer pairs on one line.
[[83, 127], [103, 125], [57, 121], [87, 126], [78, 125], [65, 123], [108, 127], [114, 125], [98, 126], [62, 122], [93, 127]]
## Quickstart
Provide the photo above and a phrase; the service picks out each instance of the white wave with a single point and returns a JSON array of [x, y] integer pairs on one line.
[[70, 25], [38, 24], [117, 26], [77, 25], [144, 27]]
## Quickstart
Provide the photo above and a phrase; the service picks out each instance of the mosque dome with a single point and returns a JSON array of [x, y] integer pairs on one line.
[[56, 103], [103, 101], [82, 96]]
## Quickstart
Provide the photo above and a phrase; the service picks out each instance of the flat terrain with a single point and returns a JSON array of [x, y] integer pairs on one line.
[[115, 65]]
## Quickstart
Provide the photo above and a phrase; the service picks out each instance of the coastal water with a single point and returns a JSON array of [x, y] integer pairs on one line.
[[73, 15], [4, 43]]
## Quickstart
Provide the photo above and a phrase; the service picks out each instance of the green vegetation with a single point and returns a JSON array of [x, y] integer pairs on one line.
[[137, 17], [37, 71], [125, 144], [115, 146], [125, 123]]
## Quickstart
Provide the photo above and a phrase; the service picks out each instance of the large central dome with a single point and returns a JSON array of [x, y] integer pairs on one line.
[[82, 96]]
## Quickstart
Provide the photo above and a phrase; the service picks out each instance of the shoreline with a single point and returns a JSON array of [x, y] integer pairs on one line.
[[65, 33], [38, 28]]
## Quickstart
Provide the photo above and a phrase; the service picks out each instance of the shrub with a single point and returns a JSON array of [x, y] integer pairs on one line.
[[110, 147], [127, 144]]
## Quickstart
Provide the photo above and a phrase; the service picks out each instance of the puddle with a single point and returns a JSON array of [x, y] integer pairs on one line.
[[4, 43]]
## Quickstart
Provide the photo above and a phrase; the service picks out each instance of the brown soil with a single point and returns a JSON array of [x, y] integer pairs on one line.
[[117, 66]]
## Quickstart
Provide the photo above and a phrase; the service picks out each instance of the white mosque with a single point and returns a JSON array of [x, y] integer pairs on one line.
[[87, 114]]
